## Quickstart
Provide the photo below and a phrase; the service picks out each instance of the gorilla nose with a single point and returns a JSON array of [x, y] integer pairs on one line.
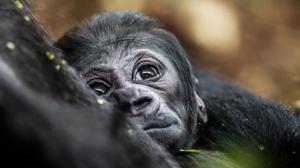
[[133, 100], [141, 102]]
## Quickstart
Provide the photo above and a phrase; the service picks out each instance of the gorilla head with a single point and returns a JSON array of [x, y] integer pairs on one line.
[[142, 69]]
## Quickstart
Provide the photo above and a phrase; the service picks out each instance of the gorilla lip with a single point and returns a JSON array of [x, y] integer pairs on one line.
[[156, 125]]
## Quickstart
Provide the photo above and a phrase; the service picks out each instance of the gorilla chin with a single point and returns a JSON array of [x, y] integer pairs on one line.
[[168, 130]]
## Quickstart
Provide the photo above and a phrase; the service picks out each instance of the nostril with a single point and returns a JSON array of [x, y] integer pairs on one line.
[[143, 101]]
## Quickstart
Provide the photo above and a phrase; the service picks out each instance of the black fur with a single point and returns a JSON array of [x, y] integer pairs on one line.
[[264, 133], [50, 119], [48, 116], [242, 123]]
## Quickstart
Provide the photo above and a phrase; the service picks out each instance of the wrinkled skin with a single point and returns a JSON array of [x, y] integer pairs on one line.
[[137, 83]]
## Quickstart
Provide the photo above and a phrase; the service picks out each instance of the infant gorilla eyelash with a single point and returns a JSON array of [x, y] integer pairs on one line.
[[147, 71]]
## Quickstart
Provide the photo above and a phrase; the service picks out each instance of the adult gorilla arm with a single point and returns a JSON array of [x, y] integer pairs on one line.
[[48, 117]]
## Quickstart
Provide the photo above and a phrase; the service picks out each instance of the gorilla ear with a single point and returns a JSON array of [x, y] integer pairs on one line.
[[201, 108]]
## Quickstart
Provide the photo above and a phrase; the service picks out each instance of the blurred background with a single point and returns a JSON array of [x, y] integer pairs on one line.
[[255, 43]]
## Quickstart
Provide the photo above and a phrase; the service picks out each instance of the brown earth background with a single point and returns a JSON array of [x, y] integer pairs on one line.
[[255, 43]]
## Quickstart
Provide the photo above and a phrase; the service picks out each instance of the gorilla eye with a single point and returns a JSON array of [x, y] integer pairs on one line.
[[147, 72], [100, 87]]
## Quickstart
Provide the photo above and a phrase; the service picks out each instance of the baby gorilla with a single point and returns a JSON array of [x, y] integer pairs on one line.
[[130, 61]]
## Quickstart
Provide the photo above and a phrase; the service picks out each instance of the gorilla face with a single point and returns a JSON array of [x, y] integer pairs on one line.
[[142, 70], [141, 83]]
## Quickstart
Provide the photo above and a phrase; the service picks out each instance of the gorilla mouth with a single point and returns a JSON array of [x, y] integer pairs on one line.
[[157, 125], [160, 123]]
